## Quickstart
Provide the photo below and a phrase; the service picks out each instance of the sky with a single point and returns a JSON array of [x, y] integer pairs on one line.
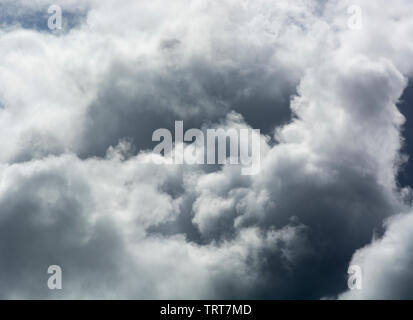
[[79, 189]]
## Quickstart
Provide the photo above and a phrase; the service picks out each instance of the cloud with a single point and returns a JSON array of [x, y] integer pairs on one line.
[[78, 187], [386, 263], [91, 217]]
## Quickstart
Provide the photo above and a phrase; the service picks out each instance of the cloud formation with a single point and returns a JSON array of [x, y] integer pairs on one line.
[[78, 187]]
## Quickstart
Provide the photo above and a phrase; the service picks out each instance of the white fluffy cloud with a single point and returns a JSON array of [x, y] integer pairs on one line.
[[386, 263], [75, 107]]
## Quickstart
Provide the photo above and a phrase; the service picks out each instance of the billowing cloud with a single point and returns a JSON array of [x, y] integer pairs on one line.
[[78, 187], [386, 264]]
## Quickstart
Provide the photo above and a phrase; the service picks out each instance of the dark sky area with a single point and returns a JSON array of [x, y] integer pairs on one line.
[[406, 108]]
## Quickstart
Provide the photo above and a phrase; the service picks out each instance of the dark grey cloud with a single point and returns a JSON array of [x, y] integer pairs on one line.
[[44, 221], [134, 101]]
